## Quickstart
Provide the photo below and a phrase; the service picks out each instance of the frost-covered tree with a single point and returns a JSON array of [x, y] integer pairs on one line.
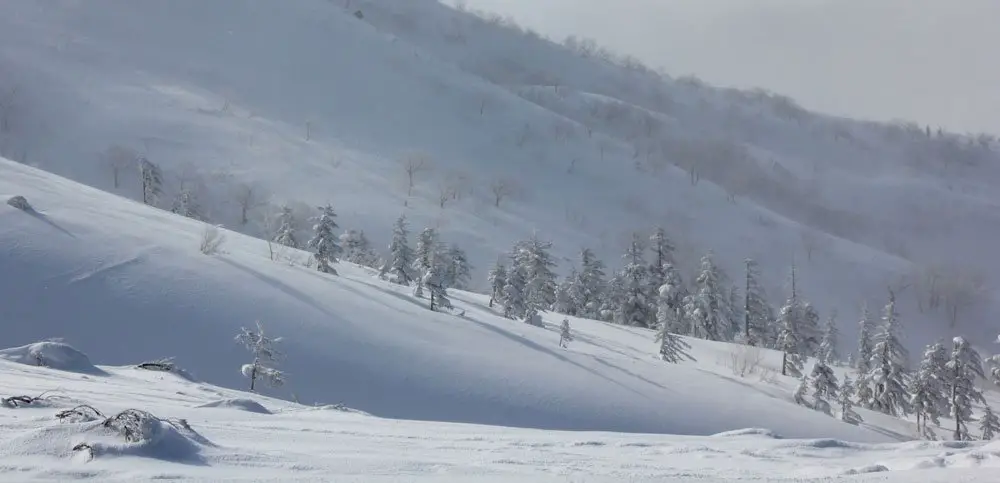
[[927, 390], [458, 271], [532, 257], [434, 280], [669, 317], [662, 249], [613, 298], [324, 243], [401, 257], [497, 278], [962, 369], [758, 316], [672, 347], [357, 248], [565, 337], [706, 307], [989, 424], [824, 386], [565, 303], [515, 303], [425, 256], [590, 288], [862, 364], [888, 366], [285, 232], [828, 346], [265, 356], [847, 412], [186, 204], [789, 340], [809, 327], [152, 181], [636, 310], [799, 396]]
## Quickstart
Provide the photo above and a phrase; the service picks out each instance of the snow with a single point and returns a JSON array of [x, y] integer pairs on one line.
[[241, 404], [227, 104], [51, 354]]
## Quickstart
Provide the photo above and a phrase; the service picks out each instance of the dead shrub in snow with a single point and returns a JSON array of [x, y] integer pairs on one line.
[[81, 414], [211, 240], [20, 203], [14, 402], [745, 360]]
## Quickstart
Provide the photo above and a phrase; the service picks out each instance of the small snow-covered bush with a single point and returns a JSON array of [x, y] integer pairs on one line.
[[745, 360], [20, 203], [211, 240]]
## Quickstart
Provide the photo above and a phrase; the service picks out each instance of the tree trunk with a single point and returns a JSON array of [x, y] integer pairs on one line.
[[784, 363], [253, 376]]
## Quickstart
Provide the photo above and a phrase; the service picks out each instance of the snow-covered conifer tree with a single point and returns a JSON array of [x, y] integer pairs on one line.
[[401, 257], [672, 347], [435, 283], [809, 328], [636, 309], [707, 305], [497, 278], [515, 304], [888, 366], [264, 357], [589, 290], [152, 181], [962, 369], [613, 299], [669, 318], [662, 250], [828, 346], [799, 396], [824, 386], [565, 337], [425, 256], [458, 271], [186, 204], [357, 248], [989, 424], [285, 233], [533, 259], [863, 361], [789, 340], [927, 391], [324, 243], [565, 303], [847, 412], [758, 316]]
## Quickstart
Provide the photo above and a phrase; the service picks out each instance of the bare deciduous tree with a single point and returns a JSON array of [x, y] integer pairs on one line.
[[502, 188], [7, 101], [119, 158], [810, 242], [414, 163], [960, 291], [250, 196]]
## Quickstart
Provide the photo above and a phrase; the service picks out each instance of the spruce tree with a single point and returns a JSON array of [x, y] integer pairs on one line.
[[613, 298], [662, 253], [152, 181], [565, 337], [989, 424], [565, 303], [888, 366], [589, 291], [789, 340], [434, 281], [824, 386], [324, 242], [809, 328], [927, 391], [497, 278], [707, 306], [533, 259], [863, 361], [799, 396], [758, 316], [401, 257], [828, 346], [425, 257], [636, 309], [669, 314], [515, 304], [357, 248], [285, 233], [672, 347], [458, 271], [847, 412], [962, 369]]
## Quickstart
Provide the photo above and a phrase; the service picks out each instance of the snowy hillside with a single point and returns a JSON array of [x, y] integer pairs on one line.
[[209, 433], [249, 106], [126, 281]]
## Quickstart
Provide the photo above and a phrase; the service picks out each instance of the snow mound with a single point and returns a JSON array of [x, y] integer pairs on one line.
[[54, 355], [242, 404], [866, 469], [145, 436], [166, 365], [336, 407], [767, 433], [20, 203]]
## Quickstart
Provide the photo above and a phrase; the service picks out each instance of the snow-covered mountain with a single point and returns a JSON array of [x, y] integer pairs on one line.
[[261, 104], [126, 283]]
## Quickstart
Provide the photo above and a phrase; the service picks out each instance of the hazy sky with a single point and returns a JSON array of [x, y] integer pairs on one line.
[[931, 61]]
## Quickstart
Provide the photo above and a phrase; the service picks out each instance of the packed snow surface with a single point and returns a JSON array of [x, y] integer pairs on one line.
[[51, 354]]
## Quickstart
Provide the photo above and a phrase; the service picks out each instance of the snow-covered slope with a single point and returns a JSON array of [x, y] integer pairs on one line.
[[219, 440], [126, 281], [308, 103]]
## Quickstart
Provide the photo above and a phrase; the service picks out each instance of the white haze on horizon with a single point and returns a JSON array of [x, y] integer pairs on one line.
[[934, 62]]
